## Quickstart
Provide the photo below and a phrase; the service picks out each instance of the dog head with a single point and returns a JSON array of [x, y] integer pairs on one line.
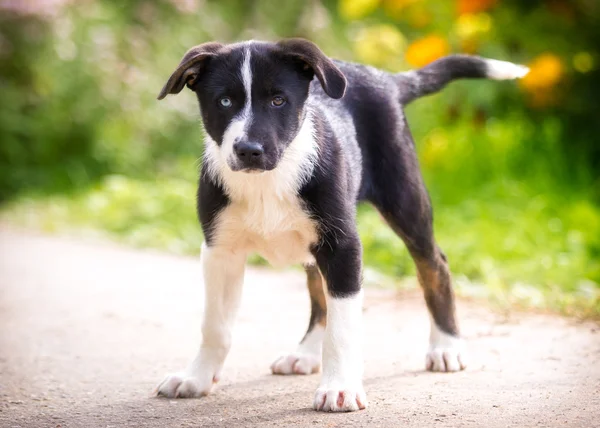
[[252, 95]]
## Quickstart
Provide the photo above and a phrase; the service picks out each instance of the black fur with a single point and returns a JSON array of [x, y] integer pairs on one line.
[[366, 151], [436, 75], [211, 199]]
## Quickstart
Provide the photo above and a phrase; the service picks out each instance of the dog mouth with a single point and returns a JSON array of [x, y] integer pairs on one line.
[[253, 170], [249, 167]]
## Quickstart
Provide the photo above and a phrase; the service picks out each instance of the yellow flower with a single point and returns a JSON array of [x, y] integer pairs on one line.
[[426, 50], [396, 8], [356, 9], [379, 45], [545, 71], [473, 6], [469, 25]]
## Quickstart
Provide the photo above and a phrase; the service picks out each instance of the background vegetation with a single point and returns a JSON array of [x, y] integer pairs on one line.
[[512, 168]]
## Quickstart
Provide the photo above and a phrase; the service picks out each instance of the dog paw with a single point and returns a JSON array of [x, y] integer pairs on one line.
[[198, 379], [183, 385], [339, 399], [296, 363], [445, 359]]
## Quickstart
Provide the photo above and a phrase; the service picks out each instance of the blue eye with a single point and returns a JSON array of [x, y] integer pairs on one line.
[[225, 102]]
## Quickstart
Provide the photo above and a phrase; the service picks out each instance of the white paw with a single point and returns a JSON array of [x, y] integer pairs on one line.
[[446, 351], [198, 379], [184, 385], [445, 359], [296, 363], [339, 399]]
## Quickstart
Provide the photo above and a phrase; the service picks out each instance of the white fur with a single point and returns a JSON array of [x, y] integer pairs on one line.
[[504, 70], [446, 353], [341, 387], [265, 214], [238, 127], [306, 359], [223, 273]]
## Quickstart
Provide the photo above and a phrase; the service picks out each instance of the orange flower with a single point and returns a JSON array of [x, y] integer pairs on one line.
[[474, 6], [545, 71], [426, 50]]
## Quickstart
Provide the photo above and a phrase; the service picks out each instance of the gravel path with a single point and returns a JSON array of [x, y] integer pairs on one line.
[[88, 330]]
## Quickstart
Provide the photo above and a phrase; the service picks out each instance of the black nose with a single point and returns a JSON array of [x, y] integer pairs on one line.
[[248, 151]]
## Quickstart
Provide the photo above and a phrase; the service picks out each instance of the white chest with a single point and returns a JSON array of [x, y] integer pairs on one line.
[[277, 229]]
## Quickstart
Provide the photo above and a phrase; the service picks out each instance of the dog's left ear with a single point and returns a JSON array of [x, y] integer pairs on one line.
[[190, 67], [331, 78]]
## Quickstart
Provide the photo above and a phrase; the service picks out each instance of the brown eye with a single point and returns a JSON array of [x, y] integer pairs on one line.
[[277, 101]]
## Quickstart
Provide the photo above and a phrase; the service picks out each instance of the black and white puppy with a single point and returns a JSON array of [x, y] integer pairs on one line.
[[286, 160]]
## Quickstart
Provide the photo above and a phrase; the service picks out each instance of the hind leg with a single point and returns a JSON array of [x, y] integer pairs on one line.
[[307, 357], [407, 209]]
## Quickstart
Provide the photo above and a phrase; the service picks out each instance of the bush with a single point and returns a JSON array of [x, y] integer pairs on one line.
[[512, 168]]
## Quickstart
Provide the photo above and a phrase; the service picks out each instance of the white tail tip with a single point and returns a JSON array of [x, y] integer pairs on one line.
[[504, 70]]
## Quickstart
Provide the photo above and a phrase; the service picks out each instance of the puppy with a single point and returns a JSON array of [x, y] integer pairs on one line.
[[287, 157]]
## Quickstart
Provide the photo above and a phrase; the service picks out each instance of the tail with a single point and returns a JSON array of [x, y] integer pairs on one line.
[[433, 77]]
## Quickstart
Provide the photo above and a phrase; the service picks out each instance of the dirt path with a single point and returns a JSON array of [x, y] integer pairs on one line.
[[88, 331]]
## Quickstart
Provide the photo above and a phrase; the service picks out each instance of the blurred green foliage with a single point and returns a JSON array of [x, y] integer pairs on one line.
[[512, 168]]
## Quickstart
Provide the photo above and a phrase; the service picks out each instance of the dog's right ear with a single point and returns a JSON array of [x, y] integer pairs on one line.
[[189, 68], [332, 79]]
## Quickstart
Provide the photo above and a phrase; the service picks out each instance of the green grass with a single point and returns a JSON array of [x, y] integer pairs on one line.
[[505, 243], [515, 248]]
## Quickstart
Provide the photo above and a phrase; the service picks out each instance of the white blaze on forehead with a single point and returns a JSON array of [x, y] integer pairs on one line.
[[247, 79], [238, 126]]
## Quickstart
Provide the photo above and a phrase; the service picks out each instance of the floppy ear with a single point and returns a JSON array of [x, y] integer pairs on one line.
[[189, 68], [331, 78]]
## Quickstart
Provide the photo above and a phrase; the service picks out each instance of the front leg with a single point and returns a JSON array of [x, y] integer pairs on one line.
[[307, 358], [223, 272], [341, 387]]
